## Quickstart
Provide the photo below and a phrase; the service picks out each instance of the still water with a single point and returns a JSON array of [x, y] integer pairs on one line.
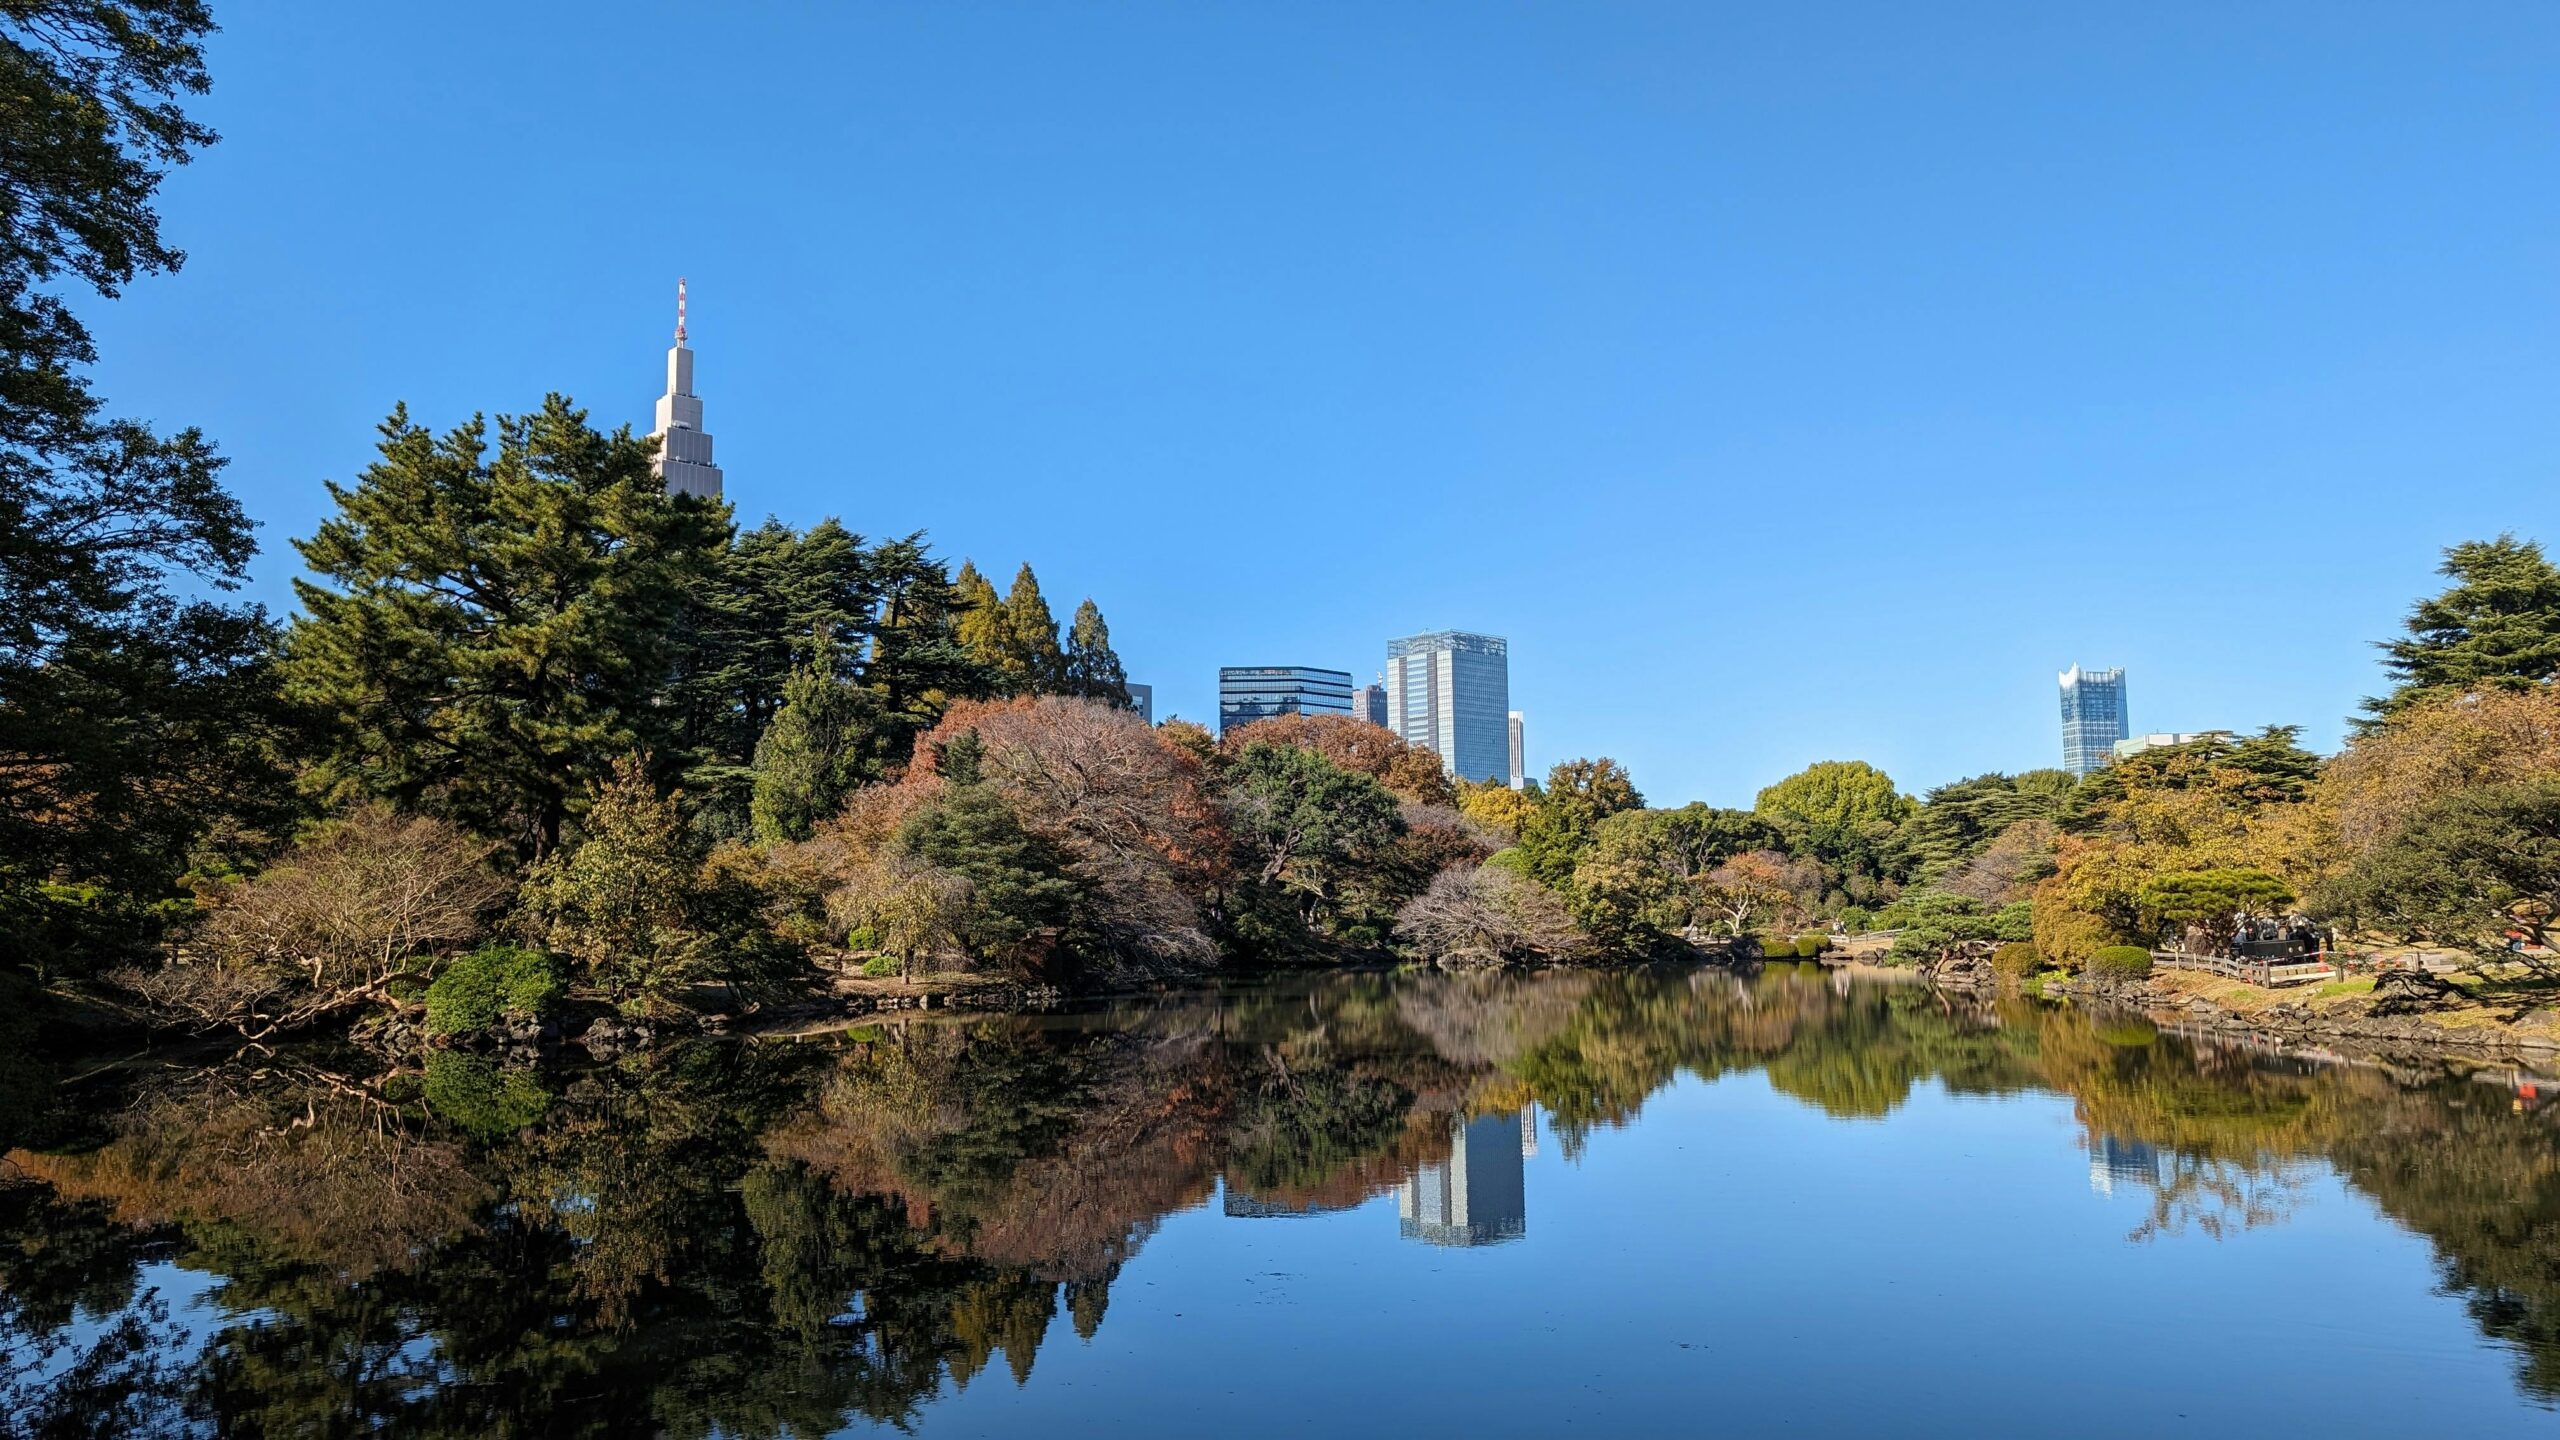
[[1664, 1203]]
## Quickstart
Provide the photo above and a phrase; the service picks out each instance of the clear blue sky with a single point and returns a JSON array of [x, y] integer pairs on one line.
[[1788, 382]]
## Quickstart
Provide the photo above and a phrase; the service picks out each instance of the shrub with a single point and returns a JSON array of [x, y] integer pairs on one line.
[[864, 937], [1774, 947], [491, 983], [2129, 962], [2016, 960], [879, 965], [1808, 946]]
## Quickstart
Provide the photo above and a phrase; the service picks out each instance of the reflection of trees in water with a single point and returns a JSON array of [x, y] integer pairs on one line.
[[2218, 1198], [758, 1239]]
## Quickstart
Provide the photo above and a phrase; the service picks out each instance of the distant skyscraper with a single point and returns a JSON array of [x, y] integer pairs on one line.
[[684, 450], [1450, 693], [1480, 1197], [1519, 754], [1142, 698], [1247, 693], [1369, 703], [2092, 718]]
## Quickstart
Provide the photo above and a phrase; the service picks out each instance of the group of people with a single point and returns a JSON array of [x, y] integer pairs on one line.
[[2268, 937]]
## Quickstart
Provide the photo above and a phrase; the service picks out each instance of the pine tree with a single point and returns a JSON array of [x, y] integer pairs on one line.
[[811, 756], [917, 664], [1033, 663], [2498, 626], [1017, 881], [486, 633], [1092, 667], [618, 901]]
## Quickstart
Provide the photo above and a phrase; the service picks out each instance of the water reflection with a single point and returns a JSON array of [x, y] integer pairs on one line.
[[779, 1237]]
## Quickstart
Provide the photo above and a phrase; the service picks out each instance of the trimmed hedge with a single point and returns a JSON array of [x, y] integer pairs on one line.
[[2016, 960], [1808, 946], [862, 938], [1775, 947], [2124, 961], [879, 965], [491, 983]]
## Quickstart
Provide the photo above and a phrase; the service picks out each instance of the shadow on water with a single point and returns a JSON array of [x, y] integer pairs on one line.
[[768, 1238]]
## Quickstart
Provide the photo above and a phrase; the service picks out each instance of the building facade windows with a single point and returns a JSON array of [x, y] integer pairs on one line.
[[1450, 693], [1247, 693], [2093, 718]]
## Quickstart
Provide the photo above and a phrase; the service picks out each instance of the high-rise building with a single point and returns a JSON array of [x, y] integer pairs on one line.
[[684, 447], [1450, 693], [2093, 718], [2161, 740], [1519, 753], [1142, 698], [1480, 1196], [1369, 703], [1247, 693]]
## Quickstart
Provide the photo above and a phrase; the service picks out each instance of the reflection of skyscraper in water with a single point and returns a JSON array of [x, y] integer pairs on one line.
[[1480, 1196], [2113, 1161]]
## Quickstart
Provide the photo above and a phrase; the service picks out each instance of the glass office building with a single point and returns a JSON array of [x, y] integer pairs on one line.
[[1450, 693], [2093, 718], [1369, 703], [1247, 693]]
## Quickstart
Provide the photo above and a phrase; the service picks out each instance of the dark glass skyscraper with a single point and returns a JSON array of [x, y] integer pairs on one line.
[[2093, 718], [1247, 693]]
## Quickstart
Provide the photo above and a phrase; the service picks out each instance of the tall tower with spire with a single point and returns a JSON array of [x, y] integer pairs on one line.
[[684, 449]]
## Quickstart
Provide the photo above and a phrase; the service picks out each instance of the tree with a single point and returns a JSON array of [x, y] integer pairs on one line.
[[2206, 901], [1018, 885], [1091, 668], [1409, 771], [1495, 806], [1032, 662], [114, 694], [2466, 869], [618, 901], [1487, 915], [811, 756], [368, 904], [1643, 878], [1755, 885], [1834, 794], [1578, 796], [1958, 821], [1301, 818], [485, 634], [2496, 627], [979, 622]]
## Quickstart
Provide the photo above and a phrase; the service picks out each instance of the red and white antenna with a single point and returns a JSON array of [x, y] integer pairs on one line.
[[679, 309]]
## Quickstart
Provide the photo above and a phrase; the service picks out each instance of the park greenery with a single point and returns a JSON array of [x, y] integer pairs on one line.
[[530, 705]]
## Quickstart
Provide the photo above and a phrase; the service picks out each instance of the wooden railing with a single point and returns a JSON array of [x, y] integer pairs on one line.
[[2270, 974]]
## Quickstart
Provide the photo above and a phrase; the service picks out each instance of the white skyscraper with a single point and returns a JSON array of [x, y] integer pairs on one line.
[[1450, 693], [1519, 752], [684, 452]]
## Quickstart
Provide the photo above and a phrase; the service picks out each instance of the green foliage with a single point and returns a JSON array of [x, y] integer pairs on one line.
[[2497, 625], [2016, 960], [2267, 768], [1302, 822], [880, 965], [1018, 882], [1956, 822], [493, 983], [485, 632], [1578, 796], [2122, 962], [137, 726], [619, 901], [1933, 922], [2209, 898], [811, 757], [485, 1099], [864, 937], [1092, 668], [2463, 870], [1808, 946], [1833, 794]]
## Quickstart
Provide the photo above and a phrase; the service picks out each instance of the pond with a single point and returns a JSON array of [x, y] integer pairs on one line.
[[1650, 1203]]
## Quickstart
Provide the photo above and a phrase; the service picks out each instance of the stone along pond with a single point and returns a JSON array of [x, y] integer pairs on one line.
[[1660, 1203]]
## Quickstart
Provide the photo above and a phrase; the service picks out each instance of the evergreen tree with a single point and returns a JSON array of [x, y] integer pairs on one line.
[[1092, 668], [978, 619], [2497, 626], [811, 756], [1018, 883], [486, 633], [918, 662], [618, 901], [132, 721], [1033, 663]]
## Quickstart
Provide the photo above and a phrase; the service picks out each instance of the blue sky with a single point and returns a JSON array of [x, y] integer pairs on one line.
[[1787, 383]]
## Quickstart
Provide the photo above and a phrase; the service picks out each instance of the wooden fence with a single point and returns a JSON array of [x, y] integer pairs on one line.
[[2270, 974]]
